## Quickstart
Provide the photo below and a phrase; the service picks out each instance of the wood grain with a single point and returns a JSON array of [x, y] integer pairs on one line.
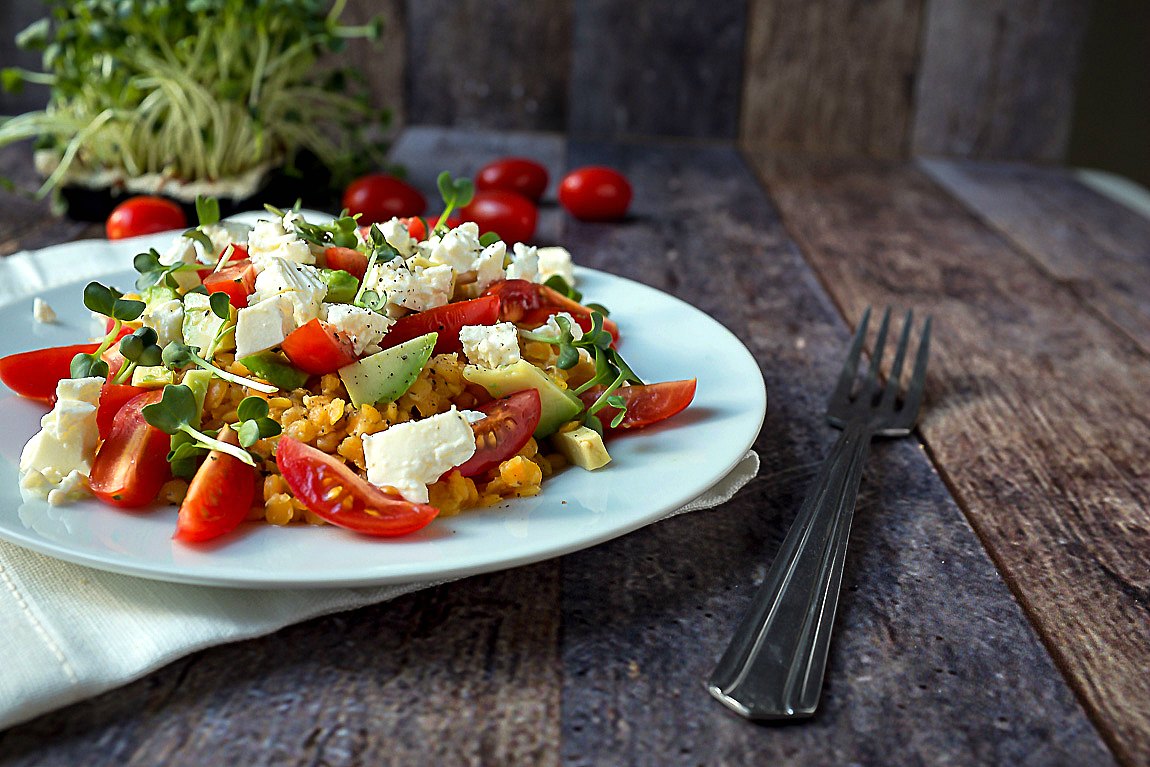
[[383, 63], [997, 78], [1036, 412], [831, 77]]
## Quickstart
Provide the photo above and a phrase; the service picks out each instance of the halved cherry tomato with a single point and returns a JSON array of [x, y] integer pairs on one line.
[[131, 465], [219, 496], [318, 348], [445, 320], [510, 422], [333, 491], [513, 174], [512, 216], [113, 397], [528, 303], [239, 253], [349, 260], [378, 197], [595, 193], [35, 374], [646, 404], [416, 227], [237, 279], [144, 215]]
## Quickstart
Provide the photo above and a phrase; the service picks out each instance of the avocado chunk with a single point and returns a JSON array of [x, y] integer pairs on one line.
[[558, 405], [583, 447], [386, 375], [276, 370], [152, 376]]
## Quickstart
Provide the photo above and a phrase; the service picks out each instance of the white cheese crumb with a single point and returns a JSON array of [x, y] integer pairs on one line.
[[364, 327], [490, 346], [555, 261], [42, 312], [412, 455], [65, 444]]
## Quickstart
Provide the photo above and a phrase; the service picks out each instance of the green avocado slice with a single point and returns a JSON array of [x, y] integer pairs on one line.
[[558, 405], [386, 375]]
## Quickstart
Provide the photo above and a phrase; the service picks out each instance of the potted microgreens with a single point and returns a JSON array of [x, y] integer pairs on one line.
[[190, 97]]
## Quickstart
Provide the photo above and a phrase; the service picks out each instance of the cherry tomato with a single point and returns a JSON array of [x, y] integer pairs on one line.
[[113, 397], [416, 227], [333, 491], [237, 279], [239, 253], [510, 422], [318, 348], [528, 303], [445, 320], [595, 193], [35, 374], [379, 197], [512, 216], [513, 174], [646, 404], [219, 496], [144, 215], [349, 260], [131, 465]]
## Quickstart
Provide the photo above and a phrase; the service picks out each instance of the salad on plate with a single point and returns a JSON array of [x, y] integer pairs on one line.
[[322, 372]]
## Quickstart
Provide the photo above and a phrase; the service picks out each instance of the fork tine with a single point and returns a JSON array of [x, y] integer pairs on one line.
[[842, 390], [892, 381], [876, 356], [918, 376]]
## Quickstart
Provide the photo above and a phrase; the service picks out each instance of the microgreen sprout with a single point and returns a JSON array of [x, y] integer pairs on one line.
[[456, 193], [153, 273], [207, 210], [175, 412], [222, 308], [110, 303], [341, 232], [138, 349], [254, 423], [178, 356]]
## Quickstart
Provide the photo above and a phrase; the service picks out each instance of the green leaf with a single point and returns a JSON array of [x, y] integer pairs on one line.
[[131, 347], [127, 309], [207, 210], [488, 238], [341, 286], [249, 433], [560, 285], [151, 356], [200, 237], [12, 80], [88, 366], [220, 305], [99, 299], [252, 408], [176, 355], [176, 408], [568, 357]]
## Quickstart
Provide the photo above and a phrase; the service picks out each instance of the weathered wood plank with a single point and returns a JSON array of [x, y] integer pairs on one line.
[[1082, 239], [1036, 413], [997, 78], [383, 64], [933, 661], [27, 223], [831, 77], [656, 69]]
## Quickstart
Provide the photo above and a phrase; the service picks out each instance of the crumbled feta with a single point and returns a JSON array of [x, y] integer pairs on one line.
[[412, 455], [414, 287], [264, 325], [277, 239], [364, 327], [473, 416], [490, 346], [167, 319], [299, 283], [65, 444], [551, 328], [41, 312], [488, 265], [456, 248], [524, 263], [183, 250], [224, 233], [555, 261], [397, 236]]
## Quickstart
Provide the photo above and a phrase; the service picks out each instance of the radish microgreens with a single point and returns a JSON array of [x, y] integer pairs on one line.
[[177, 411], [178, 356], [153, 273], [138, 349], [110, 303], [456, 193]]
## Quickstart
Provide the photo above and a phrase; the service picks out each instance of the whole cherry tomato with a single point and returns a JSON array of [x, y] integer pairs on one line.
[[144, 215], [512, 216], [378, 197], [595, 193], [513, 174]]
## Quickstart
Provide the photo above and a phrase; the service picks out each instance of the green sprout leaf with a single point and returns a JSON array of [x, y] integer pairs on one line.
[[88, 366], [177, 356], [488, 238], [220, 305], [207, 210], [202, 238], [456, 193], [175, 412], [560, 285]]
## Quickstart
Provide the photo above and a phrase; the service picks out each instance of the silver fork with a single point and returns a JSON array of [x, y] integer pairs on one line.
[[774, 665]]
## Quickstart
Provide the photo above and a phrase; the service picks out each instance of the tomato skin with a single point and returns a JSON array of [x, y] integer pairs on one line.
[[219, 496], [349, 260], [378, 197], [144, 214], [131, 465], [237, 279], [416, 227], [512, 216], [34, 374], [113, 397], [239, 253], [646, 404], [318, 348], [313, 477], [595, 193], [528, 303], [510, 422], [445, 320], [513, 174]]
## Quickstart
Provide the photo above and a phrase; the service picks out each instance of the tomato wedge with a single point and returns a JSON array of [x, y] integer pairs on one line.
[[219, 497], [503, 433], [318, 348], [646, 404], [237, 279], [528, 303], [333, 491], [113, 397], [416, 227], [445, 320], [349, 260], [35, 374], [132, 463]]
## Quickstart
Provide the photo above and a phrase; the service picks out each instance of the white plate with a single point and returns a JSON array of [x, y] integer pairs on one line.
[[652, 474]]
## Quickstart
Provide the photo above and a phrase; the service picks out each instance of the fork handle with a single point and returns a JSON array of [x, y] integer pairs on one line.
[[773, 667]]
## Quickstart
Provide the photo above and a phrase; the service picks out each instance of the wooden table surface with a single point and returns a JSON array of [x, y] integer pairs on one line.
[[996, 599]]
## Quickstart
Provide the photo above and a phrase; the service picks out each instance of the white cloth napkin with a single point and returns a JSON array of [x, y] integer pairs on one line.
[[72, 632]]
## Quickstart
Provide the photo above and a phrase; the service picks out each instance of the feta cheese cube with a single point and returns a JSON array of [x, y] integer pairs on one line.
[[524, 263], [263, 326], [554, 261], [551, 328], [412, 455], [456, 248], [397, 236], [364, 327], [66, 442], [224, 233], [167, 319], [277, 239], [488, 265], [418, 288], [302, 285], [182, 251], [490, 346], [41, 312]]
